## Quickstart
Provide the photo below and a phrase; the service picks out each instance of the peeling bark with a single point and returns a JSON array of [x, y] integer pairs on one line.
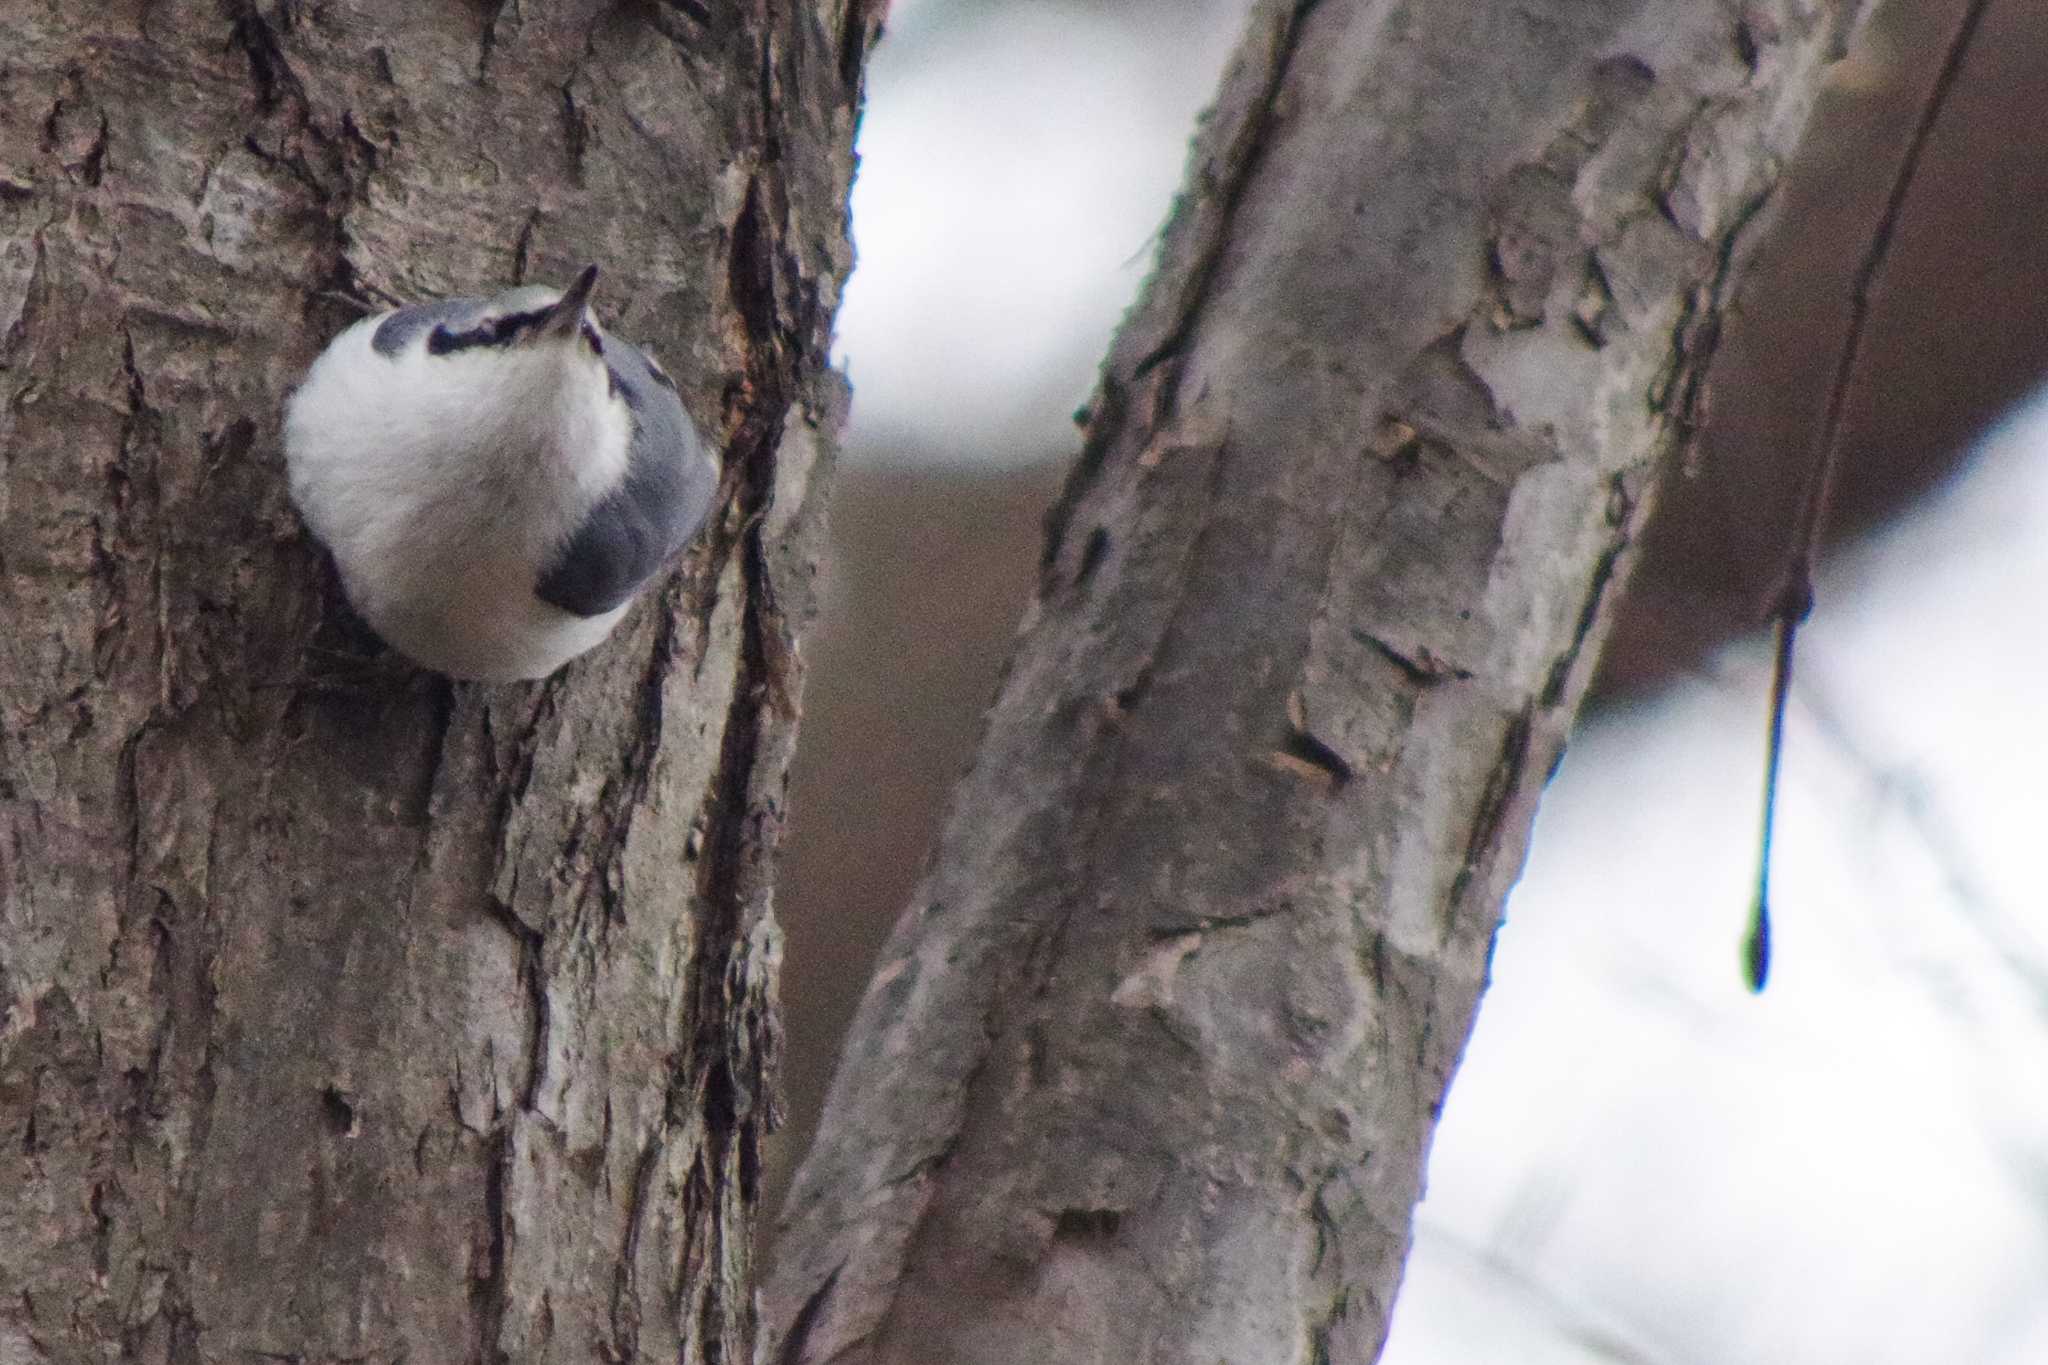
[[1149, 1070], [347, 1013]]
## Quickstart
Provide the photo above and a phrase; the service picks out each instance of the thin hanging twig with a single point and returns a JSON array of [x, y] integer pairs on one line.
[[1794, 598]]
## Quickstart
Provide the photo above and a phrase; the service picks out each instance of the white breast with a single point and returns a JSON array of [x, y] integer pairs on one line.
[[443, 484]]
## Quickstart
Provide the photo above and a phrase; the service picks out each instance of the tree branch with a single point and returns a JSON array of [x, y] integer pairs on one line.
[[1149, 1069], [1794, 598]]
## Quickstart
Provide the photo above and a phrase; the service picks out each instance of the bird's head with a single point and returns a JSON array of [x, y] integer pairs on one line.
[[530, 320], [525, 370]]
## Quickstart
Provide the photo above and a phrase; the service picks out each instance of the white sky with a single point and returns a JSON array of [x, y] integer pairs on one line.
[[1014, 168], [1851, 1167]]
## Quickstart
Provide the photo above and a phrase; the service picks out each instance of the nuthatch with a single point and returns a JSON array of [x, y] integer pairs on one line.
[[495, 477]]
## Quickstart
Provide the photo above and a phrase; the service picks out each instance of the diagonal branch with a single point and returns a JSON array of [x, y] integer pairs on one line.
[[1151, 1066]]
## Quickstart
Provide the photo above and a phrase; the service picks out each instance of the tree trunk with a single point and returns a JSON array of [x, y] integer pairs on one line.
[[347, 1013], [1149, 1070]]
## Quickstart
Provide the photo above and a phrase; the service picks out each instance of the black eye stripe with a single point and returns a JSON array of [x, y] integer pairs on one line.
[[498, 331]]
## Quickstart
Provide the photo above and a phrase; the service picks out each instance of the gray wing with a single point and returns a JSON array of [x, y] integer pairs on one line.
[[654, 511]]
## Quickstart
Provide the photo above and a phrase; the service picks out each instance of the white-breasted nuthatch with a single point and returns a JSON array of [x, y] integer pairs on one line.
[[495, 477]]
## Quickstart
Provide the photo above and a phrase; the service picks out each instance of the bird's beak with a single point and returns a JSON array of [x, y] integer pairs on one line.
[[566, 316]]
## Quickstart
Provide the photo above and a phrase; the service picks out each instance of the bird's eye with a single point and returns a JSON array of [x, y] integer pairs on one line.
[[593, 340]]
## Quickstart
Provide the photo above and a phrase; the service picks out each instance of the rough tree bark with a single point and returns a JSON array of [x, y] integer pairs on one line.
[[1149, 1069], [345, 1013]]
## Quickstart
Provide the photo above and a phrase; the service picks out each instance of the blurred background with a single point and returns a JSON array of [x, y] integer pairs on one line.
[[1639, 1161]]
